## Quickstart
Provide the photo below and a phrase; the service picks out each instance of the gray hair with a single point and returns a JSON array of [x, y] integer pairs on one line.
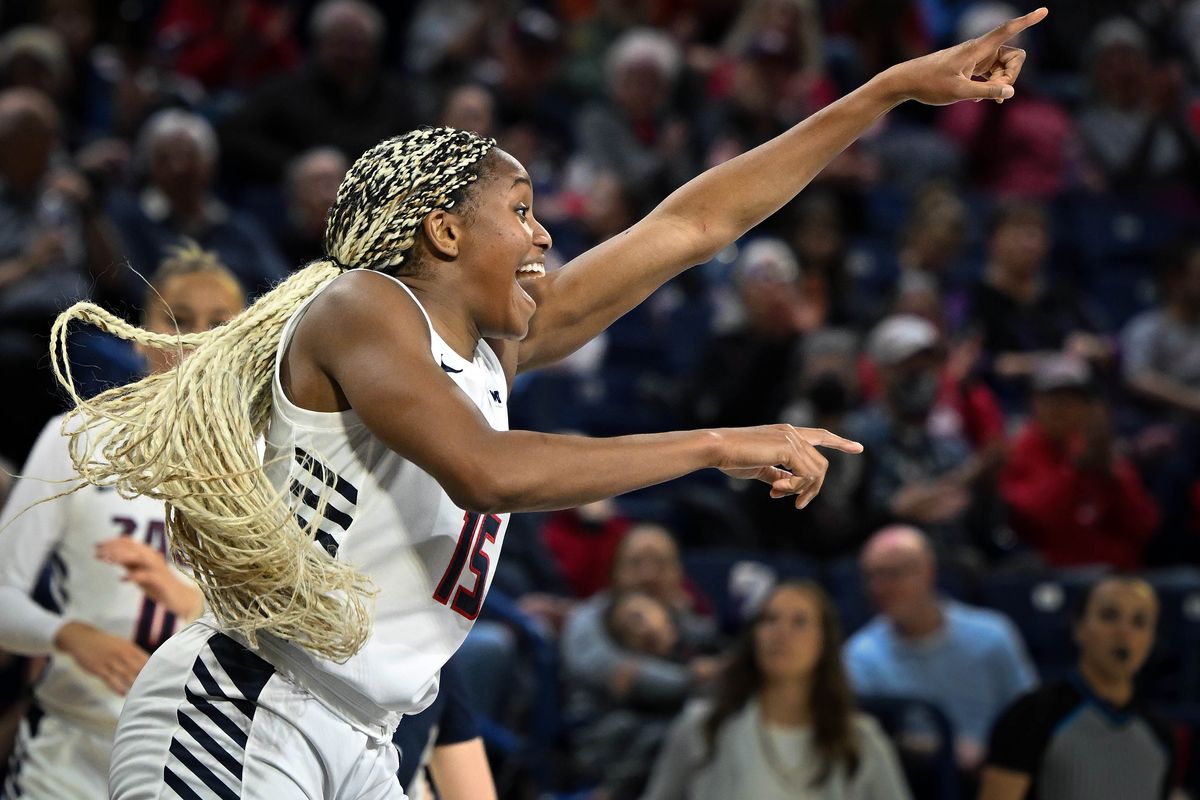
[[326, 13], [40, 43], [170, 122], [641, 45]]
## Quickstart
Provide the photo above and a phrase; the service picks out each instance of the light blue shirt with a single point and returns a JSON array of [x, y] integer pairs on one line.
[[972, 668]]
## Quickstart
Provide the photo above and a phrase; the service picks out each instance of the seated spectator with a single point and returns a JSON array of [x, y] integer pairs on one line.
[[1070, 495], [56, 247], [626, 697], [916, 471], [1160, 360], [1087, 737], [1022, 316], [1135, 129], [969, 661], [312, 184], [227, 45], [342, 99], [637, 133], [583, 542], [178, 151], [741, 378], [782, 722]]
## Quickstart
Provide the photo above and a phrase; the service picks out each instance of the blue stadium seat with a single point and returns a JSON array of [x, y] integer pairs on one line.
[[924, 740], [736, 580], [1040, 606]]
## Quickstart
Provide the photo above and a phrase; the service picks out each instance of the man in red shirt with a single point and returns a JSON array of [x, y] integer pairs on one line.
[[1069, 494]]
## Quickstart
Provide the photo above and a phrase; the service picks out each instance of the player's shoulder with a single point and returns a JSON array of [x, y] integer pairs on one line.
[[362, 303]]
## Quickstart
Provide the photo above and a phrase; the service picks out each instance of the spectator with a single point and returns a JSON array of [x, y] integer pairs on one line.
[[312, 184], [342, 99], [470, 107], [637, 134], [1070, 495], [743, 377], [969, 661], [1160, 359], [1135, 129], [617, 690], [178, 152], [782, 722], [55, 245], [1088, 737], [1022, 315], [1028, 147], [227, 45], [917, 471], [584, 542]]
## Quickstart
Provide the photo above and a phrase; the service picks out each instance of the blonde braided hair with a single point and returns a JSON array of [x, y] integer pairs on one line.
[[188, 436]]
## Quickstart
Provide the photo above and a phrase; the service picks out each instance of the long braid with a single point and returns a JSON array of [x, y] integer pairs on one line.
[[188, 436]]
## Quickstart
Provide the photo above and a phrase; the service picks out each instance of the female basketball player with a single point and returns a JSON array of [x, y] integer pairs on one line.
[[380, 376], [118, 599]]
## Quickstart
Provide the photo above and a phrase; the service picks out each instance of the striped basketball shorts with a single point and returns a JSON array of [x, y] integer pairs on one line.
[[207, 719]]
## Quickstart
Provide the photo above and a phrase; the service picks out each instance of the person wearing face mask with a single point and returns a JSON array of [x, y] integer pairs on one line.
[[1087, 735], [918, 470]]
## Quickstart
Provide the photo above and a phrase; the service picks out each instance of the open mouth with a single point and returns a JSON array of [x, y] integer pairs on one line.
[[535, 269]]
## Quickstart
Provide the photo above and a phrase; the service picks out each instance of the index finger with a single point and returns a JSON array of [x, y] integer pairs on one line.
[[823, 438], [1002, 33]]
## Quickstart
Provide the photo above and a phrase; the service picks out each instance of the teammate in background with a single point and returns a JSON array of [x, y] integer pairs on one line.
[[117, 596], [380, 377], [1087, 737]]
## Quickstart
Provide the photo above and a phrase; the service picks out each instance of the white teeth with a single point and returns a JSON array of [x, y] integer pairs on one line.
[[532, 269]]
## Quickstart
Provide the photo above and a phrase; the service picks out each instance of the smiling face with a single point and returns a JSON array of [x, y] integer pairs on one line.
[[501, 244]]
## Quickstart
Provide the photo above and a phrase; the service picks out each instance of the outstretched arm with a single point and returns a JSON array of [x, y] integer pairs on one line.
[[715, 208], [361, 333]]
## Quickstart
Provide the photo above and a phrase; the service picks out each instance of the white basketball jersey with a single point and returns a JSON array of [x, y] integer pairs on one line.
[[64, 533], [431, 561]]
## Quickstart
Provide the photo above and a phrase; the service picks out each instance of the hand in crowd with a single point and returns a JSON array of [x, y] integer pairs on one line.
[[114, 660], [930, 503], [1095, 444], [146, 567], [782, 455], [977, 69]]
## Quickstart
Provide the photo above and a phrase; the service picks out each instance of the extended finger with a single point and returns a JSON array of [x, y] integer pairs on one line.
[[819, 437], [1002, 33]]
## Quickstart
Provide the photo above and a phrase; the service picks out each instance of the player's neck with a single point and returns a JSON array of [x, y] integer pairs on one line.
[[786, 703], [1114, 689], [449, 315]]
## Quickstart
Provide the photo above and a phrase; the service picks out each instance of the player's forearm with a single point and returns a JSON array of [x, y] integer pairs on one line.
[[527, 471], [26, 628], [726, 201]]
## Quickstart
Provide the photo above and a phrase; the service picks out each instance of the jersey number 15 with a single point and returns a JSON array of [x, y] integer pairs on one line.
[[477, 529]]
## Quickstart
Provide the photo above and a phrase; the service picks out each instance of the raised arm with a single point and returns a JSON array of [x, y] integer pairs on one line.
[[368, 336], [715, 208]]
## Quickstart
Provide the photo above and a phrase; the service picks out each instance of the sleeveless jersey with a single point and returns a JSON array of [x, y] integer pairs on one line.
[[62, 534], [430, 560]]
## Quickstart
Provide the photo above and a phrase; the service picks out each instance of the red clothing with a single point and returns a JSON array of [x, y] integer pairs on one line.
[[584, 553], [1075, 516], [234, 43]]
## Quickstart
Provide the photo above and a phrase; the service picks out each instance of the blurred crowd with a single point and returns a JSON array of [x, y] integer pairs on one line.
[[1000, 301]]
